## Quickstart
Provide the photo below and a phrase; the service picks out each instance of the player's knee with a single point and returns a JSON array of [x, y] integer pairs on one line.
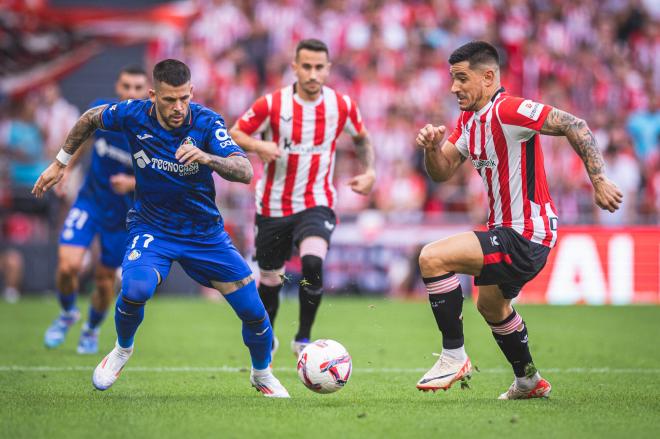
[[483, 309], [247, 305], [139, 283], [68, 268], [490, 311], [271, 278], [431, 259], [312, 270], [13, 261], [105, 285]]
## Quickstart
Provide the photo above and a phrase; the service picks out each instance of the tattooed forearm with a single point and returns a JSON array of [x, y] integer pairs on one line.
[[234, 168], [89, 122], [365, 151], [578, 134]]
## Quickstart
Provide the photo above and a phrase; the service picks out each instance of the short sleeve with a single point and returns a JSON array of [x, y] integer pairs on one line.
[[354, 123], [219, 142], [113, 115], [255, 118], [457, 137], [528, 116]]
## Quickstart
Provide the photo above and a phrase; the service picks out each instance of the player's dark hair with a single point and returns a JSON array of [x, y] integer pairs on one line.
[[133, 70], [312, 44], [172, 72], [476, 53]]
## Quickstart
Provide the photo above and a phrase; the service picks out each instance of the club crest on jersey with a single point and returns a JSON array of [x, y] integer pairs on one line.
[[188, 141], [135, 254]]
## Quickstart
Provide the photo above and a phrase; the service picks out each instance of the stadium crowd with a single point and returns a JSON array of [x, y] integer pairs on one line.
[[597, 59]]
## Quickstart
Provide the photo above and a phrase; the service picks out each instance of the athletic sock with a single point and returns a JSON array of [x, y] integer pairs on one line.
[[257, 331], [310, 294], [446, 298], [270, 296], [138, 285], [128, 316], [95, 318], [67, 301], [457, 354], [511, 337]]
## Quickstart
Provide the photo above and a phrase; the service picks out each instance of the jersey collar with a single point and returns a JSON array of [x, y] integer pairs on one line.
[[303, 102], [491, 102]]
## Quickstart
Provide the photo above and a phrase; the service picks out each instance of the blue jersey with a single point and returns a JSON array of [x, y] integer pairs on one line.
[[175, 198], [111, 155]]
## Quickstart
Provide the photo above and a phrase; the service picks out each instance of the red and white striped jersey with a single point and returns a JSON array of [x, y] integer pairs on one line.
[[306, 133], [502, 141]]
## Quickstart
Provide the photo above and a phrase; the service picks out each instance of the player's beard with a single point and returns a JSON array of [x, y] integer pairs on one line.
[[172, 124], [472, 105], [310, 89], [169, 121]]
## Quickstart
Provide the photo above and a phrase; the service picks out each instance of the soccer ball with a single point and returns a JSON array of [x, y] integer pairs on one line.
[[324, 366]]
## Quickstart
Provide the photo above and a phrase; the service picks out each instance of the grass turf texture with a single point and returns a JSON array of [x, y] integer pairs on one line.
[[58, 400]]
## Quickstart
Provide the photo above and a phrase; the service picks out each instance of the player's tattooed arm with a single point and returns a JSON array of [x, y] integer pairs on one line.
[[89, 122], [363, 183], [578, 134], [236, 168], [364, 150]]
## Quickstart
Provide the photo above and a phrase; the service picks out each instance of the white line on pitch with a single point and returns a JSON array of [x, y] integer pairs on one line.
[[229, 369]]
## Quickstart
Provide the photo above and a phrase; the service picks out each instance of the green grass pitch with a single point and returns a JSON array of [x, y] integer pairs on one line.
[[188, 377]]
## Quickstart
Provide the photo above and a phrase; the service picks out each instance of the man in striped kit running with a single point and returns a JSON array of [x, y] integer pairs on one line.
[[500, 135], [299, 126]]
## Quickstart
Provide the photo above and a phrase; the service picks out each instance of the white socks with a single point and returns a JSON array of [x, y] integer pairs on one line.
[[528, 383], [457, 354]]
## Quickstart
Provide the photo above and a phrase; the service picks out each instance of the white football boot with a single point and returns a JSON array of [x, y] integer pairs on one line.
[[265, 382], [108, 370], [444, 373], [542, 389]]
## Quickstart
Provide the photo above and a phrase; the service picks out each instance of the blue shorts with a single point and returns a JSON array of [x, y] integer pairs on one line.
[[82, 224], [207, 259]]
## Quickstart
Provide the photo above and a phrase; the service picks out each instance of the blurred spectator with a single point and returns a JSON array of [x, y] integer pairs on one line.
[[644, 127], [599, 60], [55, 116], [21, 138], [402, 192], [11, 270], [624, 170], [391, 55]]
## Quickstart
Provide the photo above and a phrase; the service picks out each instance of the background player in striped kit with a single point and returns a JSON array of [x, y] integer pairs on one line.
[[295, 198], [100, 210], [499, 134]]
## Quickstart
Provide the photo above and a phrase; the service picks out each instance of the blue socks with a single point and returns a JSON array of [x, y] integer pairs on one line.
[[95, 318], [128, 316], [67, 301], [257, 331], [138, 285]]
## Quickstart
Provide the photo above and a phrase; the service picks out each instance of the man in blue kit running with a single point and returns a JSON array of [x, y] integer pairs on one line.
[[99, 210], [176, 145]]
